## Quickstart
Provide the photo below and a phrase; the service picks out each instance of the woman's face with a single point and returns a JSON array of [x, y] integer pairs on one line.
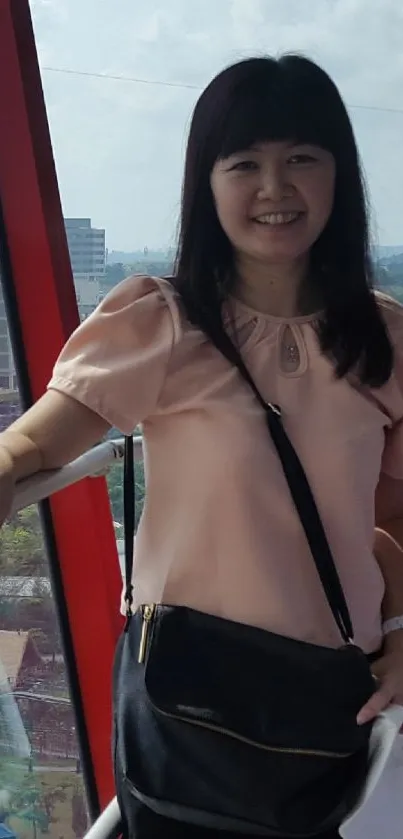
[[274, 200]]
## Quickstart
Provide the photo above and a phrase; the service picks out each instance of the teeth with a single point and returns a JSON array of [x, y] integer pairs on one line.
[[277, 218]]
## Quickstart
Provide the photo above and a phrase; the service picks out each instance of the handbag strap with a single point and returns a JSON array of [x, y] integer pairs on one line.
[[129, 508], [299, 487]]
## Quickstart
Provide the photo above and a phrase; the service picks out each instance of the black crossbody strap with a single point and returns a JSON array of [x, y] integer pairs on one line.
[[301, 494], [129, 499], [299, 488]]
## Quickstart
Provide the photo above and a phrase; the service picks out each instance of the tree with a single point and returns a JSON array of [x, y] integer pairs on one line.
[[26, 805], [79, 821], [10, 777], [22, 548], [115, 487], [34, 800], [23, 554], [114, 273]]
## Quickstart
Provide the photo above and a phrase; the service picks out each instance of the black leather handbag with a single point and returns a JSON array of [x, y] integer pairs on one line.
[[227, 726]]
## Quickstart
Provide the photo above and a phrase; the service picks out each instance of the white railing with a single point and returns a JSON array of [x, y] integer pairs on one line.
[[107, 824], [94, 462]]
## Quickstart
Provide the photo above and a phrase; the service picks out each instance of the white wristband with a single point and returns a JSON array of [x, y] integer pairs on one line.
[[392, 625]]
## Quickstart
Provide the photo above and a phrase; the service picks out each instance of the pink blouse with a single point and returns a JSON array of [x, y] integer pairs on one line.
[[219, 531]]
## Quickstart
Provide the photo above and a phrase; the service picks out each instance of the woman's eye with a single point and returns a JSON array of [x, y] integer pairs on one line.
[[244, 166], [302, 158]]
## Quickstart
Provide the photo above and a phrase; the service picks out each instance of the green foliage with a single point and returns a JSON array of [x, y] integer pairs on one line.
[[22, 548], [29, 797], [23, 554], [114, 273], [115, 488]]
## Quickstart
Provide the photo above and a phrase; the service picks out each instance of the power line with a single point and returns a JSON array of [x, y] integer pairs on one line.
[[159, 83], [120, 78], [378, 108]]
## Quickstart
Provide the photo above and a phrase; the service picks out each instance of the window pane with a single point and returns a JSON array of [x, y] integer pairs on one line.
[[119, 107], [41, 785], [115, 487]]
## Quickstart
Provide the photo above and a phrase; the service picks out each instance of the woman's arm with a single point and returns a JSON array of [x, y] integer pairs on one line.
[[389, 542], [56, 430], [389, 553]]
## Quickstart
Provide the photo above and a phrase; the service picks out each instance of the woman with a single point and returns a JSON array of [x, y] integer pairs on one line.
[[273, 252]]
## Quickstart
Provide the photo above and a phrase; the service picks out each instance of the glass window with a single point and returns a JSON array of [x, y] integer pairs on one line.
[[41, 785], [119, 106], [126, 96]]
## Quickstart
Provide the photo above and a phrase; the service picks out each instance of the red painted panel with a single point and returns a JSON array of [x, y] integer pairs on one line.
[[48, 313]]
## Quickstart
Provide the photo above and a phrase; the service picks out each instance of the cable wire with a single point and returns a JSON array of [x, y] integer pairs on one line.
[[183, 85]]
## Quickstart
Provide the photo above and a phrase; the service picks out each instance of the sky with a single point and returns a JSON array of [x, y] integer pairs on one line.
[[119, 145]]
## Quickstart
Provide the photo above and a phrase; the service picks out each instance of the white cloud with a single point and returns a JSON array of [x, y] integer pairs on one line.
[[119, 146]]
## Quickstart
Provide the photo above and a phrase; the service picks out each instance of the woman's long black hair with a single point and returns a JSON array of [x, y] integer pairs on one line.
[[290, 98]]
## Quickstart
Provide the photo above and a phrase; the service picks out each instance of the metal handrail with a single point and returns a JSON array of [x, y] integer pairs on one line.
[[108, 825], [93, 462]]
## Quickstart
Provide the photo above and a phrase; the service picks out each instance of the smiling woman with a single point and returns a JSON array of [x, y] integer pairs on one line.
[[296, 160], [273, 202], [273, 270], [253, 546]]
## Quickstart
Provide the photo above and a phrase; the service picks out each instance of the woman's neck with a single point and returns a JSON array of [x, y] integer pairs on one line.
[[279, 290]]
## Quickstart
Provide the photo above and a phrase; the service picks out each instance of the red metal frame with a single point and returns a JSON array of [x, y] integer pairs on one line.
[[48, 313]]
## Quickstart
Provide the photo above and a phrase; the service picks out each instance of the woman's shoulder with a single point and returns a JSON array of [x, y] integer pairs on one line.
[[392, 312], [155, 293], [139, 285], [117, 360]]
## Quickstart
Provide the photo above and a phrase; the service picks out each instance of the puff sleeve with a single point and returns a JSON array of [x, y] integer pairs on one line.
[[116, 361]]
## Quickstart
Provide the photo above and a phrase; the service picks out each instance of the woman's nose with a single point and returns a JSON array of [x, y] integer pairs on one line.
[[274, 185]]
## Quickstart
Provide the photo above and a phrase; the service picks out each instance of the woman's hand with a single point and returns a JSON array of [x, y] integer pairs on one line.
[[388, 671]]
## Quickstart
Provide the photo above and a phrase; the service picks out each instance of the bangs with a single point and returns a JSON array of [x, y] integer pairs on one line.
[[273, 110]]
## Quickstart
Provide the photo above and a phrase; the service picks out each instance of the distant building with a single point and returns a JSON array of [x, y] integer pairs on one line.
[[8, 379], [88, 293], [18, 654], [18, 587], [86, 246], [87, 255], [10, 408]]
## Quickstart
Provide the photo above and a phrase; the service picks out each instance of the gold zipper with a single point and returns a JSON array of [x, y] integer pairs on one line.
[[148, 614], [226, 732]]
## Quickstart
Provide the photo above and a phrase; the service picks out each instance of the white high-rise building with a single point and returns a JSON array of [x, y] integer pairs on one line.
[[9, 397], [86, 246], [87, 255], [8, 379]]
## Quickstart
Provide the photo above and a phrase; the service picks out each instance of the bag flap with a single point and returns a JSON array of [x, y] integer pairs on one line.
[[273, 691]]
